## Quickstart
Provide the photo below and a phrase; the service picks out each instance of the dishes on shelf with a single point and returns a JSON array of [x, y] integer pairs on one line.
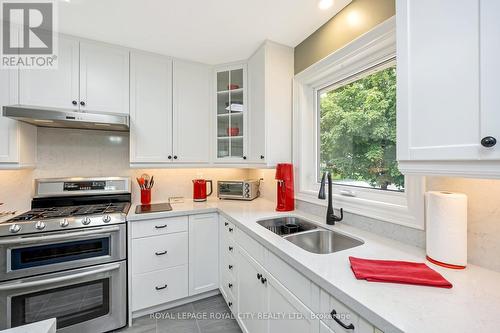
[[233, 131]]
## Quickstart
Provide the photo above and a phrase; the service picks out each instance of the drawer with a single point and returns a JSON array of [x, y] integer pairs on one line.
[[303, 288], [230, 301], [159, 252], [230, 287], [157, 227], [251, 246], [344, 314], [154, 288], [229, 250], [228, 265]]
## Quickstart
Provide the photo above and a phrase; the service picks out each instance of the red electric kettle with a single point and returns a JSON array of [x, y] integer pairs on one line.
[[200, 189]]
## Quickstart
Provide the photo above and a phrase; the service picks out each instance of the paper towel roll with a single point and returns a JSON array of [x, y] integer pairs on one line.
[[446, 230]]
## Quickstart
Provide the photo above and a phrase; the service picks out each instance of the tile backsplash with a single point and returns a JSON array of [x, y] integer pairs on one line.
[[87, 153], [67, 153]]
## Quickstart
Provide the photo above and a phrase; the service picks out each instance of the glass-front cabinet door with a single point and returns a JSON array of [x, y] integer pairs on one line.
[[231, 114]]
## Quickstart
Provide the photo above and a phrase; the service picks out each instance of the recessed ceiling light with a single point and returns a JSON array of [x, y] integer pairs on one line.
[[325, 4]]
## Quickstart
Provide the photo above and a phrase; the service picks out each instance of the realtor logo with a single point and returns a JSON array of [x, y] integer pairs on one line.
[[28, 38]]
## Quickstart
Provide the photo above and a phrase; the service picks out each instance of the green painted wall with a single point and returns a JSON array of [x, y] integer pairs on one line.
[[357, 18]]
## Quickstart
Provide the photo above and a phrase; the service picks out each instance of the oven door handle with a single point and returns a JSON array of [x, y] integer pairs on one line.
[[64, 236], [23, 285]]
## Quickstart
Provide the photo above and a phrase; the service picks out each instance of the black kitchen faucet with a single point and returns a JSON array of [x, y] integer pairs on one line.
[[331, 218]]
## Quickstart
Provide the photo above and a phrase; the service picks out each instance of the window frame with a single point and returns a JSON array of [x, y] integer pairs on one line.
[[369, 51]]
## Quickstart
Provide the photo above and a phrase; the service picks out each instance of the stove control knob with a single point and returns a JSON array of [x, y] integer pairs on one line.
[[40, 225], [106, 219], [86, 220], [15, 228], [64, 223]]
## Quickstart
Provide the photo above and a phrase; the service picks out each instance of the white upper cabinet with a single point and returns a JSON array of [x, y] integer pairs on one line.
[[270, 77], [150, 108], [57, 88], [17, 139], [448, 121], [104, 78], [191, 112], [90, 76]]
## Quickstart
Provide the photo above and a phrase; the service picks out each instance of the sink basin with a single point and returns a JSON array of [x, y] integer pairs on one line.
[[323, 241], [287, 225], [309, 236]]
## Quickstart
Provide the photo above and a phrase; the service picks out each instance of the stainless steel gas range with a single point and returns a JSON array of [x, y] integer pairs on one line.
[[66, 258]]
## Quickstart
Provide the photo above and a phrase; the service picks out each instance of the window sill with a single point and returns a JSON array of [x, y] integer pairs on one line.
[[388, 212]]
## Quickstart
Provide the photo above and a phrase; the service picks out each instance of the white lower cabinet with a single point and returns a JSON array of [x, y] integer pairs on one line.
[[323, 328], [290, 315], [158, 287], [158, 252], [172, 258], [345, 319], [252, 294], [271, 296], [203, 253]]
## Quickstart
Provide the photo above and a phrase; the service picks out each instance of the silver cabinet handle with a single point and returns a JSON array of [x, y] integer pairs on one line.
[[160, 226], [63, 236], [160, 288], [161, 253], [23, 285]]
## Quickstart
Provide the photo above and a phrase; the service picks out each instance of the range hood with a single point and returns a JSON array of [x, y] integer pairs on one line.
[[65, 118]]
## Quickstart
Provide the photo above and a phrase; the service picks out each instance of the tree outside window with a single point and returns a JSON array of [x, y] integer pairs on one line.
[[358, 132]]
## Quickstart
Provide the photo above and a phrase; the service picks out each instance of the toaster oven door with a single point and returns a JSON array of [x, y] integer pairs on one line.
[[230, 190]]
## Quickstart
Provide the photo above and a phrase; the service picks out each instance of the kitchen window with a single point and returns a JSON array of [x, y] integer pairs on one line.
[[345, 123], [357, 130]]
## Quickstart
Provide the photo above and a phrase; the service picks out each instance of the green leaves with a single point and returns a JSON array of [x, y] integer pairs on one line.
[[358, 131]]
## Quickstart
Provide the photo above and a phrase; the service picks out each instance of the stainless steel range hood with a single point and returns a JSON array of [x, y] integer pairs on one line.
[[62, 118]]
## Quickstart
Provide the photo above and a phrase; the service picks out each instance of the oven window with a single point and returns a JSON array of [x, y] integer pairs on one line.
[[58, 252], [235, 189], [71, 304]]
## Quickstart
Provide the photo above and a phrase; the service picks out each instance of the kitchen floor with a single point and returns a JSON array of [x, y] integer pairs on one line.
[[204, 316]]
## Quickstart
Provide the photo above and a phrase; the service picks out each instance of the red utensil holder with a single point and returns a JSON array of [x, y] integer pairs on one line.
[[146, 196]]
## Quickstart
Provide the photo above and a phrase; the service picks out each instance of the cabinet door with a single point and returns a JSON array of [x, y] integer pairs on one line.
[[203, 253], [150, 108], [490, 72], [324, 329], [438, 80], [252, 297], [292, 315], [8, 127], [56, 88], [104, 78], [257, 106], [231, 114], [191, 112]]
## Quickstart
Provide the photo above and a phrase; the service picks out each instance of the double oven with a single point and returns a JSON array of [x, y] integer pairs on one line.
[[77, 275]]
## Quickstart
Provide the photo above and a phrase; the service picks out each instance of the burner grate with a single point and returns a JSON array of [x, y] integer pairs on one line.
[[61, 212]]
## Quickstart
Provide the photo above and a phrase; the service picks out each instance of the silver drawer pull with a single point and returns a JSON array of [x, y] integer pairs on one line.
[[161, 253], [160, 226], [160, 288]]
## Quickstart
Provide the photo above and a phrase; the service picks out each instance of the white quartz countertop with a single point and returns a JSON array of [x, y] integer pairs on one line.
[[472, 305], [44, 326]]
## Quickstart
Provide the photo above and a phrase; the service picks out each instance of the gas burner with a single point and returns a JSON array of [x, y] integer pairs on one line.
[[69, 211]]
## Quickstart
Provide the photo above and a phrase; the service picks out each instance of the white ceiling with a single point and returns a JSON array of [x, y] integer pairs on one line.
[[209, 31]]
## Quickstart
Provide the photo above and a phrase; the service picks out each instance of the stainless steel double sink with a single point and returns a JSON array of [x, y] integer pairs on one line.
[[309, 236]]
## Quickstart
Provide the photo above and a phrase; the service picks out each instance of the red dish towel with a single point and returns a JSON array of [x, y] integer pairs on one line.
[[397, 272]]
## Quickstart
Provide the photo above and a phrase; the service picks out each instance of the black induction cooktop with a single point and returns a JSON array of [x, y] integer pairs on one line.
[[153, 208]]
